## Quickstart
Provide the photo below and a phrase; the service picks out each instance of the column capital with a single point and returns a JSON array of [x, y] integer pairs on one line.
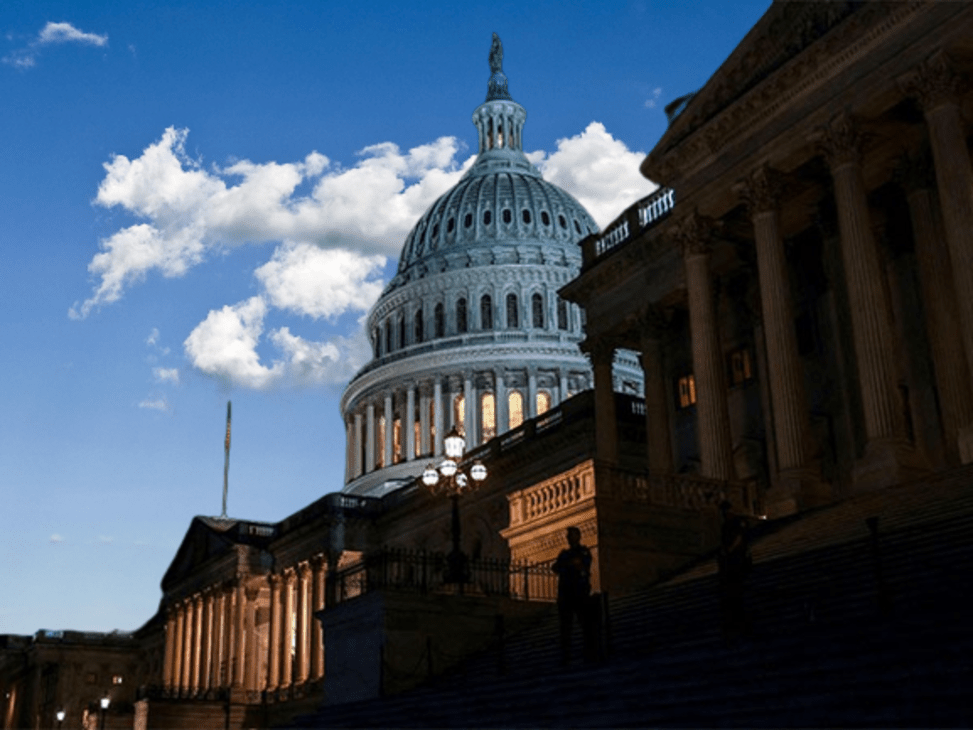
[[841, 140], [693, 233], [304, 570], [914, 171], [252, 592], [933, 82], [317, 562], [762, 190], [274, 580]]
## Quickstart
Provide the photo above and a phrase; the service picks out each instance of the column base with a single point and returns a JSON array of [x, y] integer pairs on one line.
[[964, 442], [886, 463], [797, 489]]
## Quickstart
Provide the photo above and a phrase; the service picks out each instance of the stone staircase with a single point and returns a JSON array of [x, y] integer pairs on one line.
[[850, 628]]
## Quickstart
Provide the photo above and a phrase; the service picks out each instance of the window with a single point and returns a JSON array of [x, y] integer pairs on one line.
[[439, 318], [402, 331], [376, 340], [577, 226], [435, 230], [488, 417], [686, 391], [513, 318], [507, 216], [562, 314], [526, 216], [416, 439], [461, 325], [515, 408], [468, 220], [487, 217], [486, 312], [380, 442], [545, 218], [562, 221], [537, 311], [388, 336], [418, 326], [432, 427], [449, 225], [740, 368], [398, 448], [116, 679], [459, 414], [543, 402]]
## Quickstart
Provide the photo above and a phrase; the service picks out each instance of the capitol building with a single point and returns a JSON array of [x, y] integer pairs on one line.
[[471, 332]]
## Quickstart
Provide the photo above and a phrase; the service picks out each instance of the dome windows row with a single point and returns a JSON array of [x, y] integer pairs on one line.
[[401, 330]]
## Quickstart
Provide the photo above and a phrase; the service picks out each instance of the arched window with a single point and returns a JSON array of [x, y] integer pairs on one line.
[[513, 318], [459, 414], [537, 311], [486, 312], [515, 408], [461, 325], [388, 336], [402, 331], [418, 325], [543, 402], [377, 340], [488, 417], [439, 317], [562, 314]]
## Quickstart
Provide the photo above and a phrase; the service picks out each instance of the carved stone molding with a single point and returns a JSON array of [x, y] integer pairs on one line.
[[933, 82], [693, 233], [840, 141], [762, 190]]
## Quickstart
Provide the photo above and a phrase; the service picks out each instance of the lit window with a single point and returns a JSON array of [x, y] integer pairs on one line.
[[543, 402], [686, 391], [515, 405], [488, 416], [459, 414], [398, 451], [116, 679], [416, 438], [380, 442], [740, 368], [432, 426]]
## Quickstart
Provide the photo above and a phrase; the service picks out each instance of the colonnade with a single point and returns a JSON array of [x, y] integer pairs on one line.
[[940, 201], [410, 423], [214, 641]]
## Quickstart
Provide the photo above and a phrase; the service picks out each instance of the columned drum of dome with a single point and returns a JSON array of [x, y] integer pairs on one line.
[[470, 333]]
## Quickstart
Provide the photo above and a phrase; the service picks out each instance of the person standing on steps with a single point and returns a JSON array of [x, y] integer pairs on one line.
[[573, 567], [735, 562]]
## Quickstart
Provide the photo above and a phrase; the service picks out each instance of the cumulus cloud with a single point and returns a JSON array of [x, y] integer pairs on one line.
[[597, 169], [166, 375], [187, 211], [51, 34], [225, 344]]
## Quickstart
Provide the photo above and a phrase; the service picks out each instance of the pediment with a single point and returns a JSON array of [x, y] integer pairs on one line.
[[206, 538]]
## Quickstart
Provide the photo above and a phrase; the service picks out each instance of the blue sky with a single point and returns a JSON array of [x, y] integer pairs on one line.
[[200, 203]]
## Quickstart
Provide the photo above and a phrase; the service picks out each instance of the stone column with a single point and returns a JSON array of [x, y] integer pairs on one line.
[[287, 624], [303, 614], [437, 400], [694, 233], [939, 298], [936, 85], [357, 456], [888, 458], [240, 648], [317, 603], [219, 627], [273, 635], [226, 662], [387, 446], [170, 659], [185, 680], [197, 643], [500, 402], [798, 480], [252, 655], [349, 451], [531, 393], [469, 411], [370, 437], [425, 446], [207, 637], [564, 386], [602, 354], [652, 326], [409, 423]]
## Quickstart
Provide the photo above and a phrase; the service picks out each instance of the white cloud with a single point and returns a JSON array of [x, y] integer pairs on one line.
[[153, 337], [652, 100], [598, 170], [166, 375], [307, 279], [51, 34], [186, 211], [56, 538], [67, 33], [156, 404]]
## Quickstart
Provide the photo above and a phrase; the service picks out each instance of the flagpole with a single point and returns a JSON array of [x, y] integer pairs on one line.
[[226, 459]]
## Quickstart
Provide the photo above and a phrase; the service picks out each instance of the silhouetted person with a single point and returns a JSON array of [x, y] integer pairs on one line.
[[573, 567], [735, 563]]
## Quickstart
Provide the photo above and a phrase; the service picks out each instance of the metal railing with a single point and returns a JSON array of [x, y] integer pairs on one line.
[[419, 571]]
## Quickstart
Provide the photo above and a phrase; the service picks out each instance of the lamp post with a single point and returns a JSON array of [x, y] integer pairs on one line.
[[454, 482], [60, 717], [105, 701]]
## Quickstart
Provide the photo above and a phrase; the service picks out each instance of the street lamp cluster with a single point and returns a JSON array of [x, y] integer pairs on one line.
[[450, 479]]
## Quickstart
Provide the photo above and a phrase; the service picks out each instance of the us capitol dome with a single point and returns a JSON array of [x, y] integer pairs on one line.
[[470, 333]]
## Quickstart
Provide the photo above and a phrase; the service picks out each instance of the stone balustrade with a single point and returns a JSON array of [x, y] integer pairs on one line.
[[553, 495]]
